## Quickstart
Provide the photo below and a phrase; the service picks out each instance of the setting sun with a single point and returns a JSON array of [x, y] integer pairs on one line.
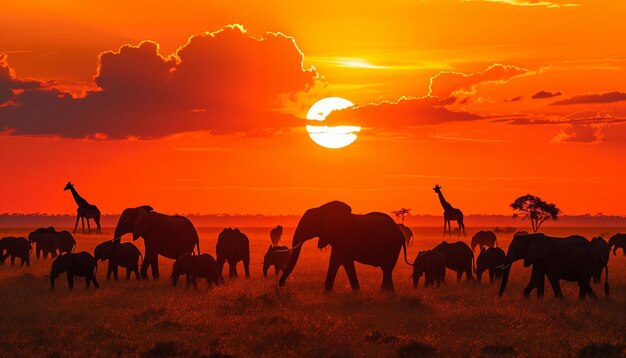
[[330, 136]]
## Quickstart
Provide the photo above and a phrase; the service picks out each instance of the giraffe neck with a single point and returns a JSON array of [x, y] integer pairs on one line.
[[444, 203], [77, 198]]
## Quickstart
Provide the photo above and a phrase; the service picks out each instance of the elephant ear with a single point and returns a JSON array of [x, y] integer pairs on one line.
[[335, 217], [538, 248], [140, 223]]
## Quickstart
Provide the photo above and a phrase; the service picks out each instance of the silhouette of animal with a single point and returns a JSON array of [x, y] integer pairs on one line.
[[276, 234], [81, 264], [449, 213], [373, 239], [431, 264], [232, 246], [571, 259], [277, 256], [520, 233], [618, 241], [602, 250], [118, 254], [84, 211], [407, 233], [166, 235], [49, 241], [459, 258], [484, 238], [491, 259], [192, 266], [15, 247]]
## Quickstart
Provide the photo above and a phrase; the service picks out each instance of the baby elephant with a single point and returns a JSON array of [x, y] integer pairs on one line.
[[432, 264], [15, 247], [490, 259], [81, 264], [193, 266], [277, 256], [125, 255]]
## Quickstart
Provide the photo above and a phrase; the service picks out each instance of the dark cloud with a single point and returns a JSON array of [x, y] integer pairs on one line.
[[516, 99], [403, 113], [545, 94], [608, 97], [223, 82]]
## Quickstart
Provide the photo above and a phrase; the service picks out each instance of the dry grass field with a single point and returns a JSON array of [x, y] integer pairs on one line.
[[256, 318]]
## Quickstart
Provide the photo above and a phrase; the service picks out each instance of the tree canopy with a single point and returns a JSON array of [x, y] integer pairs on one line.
[[534, 209]]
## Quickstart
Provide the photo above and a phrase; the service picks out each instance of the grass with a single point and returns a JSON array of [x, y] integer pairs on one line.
[[257, 318]]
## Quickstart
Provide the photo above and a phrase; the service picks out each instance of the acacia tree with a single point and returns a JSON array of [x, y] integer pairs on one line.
[[401, 213], [534, 209]]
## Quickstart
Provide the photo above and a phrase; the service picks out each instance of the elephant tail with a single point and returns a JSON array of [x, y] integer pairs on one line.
[[404, 248], [606, 280]]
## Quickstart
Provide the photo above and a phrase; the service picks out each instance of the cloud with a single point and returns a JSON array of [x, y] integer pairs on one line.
[[609, 97], [406, 112], [223, 82], [516, 99], [545, 94], [580, 133], [532, 3], [451, 83]]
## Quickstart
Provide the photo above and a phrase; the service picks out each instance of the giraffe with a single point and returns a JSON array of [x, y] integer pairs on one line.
[[449, 213], [84, 211]]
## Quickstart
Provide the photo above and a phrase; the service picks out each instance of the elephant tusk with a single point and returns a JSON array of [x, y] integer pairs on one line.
[[293, 248]]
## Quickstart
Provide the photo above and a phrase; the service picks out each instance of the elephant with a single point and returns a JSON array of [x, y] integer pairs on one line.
[[459, 258], [484, 238], [373, 239], [194, 266], [80, 264], [618, 241], [232, 246], [571, 259], [275, 235], [277, 256], [431, 264], [602, 250], [49, 241], [167, 235], [491, 259], [407, 233], [15, 247], [125, 255]]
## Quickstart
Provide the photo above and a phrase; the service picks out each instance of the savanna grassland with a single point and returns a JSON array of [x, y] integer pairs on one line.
[[256, 318]]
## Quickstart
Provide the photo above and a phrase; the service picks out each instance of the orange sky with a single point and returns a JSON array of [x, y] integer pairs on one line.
[[193, 119]]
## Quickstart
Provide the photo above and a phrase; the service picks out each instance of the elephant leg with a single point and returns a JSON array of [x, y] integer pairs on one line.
[[38, 253], [155, 267], [232, 269], [468, 274], [115, 272], [87, 281], [333, 266], [95, 282], [387, 279], [70, 280], [109, 271], [136, 271], [534, 279], [128, 272], [276, 270], [246, 266], [194, 281], [220, 267], [556, 286], [351, 272], [188, 281], [459, 274], [541, 283], [147, 261]]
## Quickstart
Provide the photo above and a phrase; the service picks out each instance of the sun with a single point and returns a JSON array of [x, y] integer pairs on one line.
[[330, 137]]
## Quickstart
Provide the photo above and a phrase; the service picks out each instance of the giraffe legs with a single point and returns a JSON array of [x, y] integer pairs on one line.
[[76, 225], [89, 229]]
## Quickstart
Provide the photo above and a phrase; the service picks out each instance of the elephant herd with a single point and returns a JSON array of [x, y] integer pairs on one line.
[[372, 239]]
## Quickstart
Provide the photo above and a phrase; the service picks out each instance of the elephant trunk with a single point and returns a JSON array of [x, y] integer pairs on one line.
[[298, 239], [505, 280]]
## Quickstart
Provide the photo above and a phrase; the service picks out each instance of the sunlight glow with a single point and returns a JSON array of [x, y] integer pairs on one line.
[[330, 137]]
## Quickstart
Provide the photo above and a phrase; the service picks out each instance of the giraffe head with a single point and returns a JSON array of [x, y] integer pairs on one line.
[[68, 186], [437, 189]]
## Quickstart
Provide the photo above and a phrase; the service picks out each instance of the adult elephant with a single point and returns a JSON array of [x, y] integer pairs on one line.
[[484, 238], [407, 233], [166, 235], [48, 241], [571, 259], [373, 239], [459, 257], [602, 250]]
